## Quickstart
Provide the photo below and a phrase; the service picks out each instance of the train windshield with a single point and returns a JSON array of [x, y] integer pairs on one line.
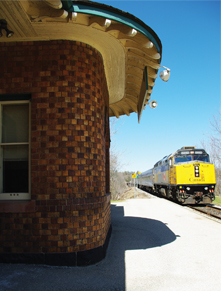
[[204, 158], [188, 158], [182, 159]]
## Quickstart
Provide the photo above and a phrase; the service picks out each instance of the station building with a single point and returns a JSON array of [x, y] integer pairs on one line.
[[65, 68]]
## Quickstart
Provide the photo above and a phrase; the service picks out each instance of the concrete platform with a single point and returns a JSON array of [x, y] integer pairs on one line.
[[155, 245]]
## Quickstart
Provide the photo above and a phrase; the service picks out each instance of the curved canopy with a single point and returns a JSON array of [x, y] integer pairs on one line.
[[131, 50]]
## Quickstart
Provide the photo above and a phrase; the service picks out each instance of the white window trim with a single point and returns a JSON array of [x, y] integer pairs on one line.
[[15, 196]]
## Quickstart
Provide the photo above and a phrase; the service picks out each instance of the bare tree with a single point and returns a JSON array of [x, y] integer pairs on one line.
[[213, 147], [117, 182], [215, 139]]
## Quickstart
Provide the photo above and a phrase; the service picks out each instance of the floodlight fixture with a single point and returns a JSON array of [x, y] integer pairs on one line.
[[3, 25], [153, 104], [165, 75]]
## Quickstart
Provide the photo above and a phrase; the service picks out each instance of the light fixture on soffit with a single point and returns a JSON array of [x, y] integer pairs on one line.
[[3, 25]]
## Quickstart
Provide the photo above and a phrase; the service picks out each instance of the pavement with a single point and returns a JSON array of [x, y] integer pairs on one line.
[[155, 245]]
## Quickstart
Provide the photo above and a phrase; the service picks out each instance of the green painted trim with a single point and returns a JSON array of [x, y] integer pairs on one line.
[[79, 8], [146, 77], [143, 94], [66, 4]]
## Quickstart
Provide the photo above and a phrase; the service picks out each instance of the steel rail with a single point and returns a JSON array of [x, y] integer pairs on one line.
[[208, 209]]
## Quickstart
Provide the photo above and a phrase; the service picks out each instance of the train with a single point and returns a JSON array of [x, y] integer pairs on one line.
[[186, 176]]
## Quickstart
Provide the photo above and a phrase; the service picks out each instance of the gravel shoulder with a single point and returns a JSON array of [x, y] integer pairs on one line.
[[136, 193]]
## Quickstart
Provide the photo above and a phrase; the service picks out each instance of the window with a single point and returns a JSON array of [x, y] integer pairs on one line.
[[204, 158], [182, 159], [14, 150]]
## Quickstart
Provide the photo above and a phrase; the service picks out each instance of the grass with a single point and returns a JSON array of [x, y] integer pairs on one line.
[[116, 201], [217, 200]]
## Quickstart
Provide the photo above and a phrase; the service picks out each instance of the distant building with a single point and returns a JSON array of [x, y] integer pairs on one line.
[[66, 67]]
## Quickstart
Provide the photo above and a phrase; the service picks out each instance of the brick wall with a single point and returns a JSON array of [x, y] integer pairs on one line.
[[69, 148]]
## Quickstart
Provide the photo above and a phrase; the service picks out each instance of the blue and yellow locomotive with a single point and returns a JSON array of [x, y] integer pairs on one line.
[[186, 176]]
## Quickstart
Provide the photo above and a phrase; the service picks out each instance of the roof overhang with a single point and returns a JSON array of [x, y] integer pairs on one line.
[[129, 47]]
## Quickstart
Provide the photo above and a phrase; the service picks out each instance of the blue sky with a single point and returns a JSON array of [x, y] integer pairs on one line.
[[190, 36]]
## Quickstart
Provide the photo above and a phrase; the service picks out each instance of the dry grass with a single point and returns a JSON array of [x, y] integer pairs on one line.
[[137, 194]]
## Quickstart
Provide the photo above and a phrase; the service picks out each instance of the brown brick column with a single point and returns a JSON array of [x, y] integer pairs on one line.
[[69, 153]]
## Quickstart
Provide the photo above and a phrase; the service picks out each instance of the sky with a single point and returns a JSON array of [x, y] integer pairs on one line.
[[190, 36]]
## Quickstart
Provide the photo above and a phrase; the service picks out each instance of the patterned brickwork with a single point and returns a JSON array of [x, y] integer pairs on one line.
[[69, 147]]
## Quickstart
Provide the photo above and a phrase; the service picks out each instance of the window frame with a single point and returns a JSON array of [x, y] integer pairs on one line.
[[15, 196]]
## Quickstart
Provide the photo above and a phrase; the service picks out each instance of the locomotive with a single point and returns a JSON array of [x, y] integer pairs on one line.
[[186, 176]]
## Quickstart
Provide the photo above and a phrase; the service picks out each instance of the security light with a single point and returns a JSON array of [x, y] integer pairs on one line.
[[153, 104], [3, 25], [164, 75]]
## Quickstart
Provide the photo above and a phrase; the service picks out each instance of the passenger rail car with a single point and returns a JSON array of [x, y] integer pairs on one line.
[[186, 176]]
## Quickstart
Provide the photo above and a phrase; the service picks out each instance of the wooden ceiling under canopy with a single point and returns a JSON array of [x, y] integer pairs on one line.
[[130, 49]]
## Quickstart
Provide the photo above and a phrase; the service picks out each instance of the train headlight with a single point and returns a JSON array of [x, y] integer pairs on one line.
[[206, 188], [188, 188]]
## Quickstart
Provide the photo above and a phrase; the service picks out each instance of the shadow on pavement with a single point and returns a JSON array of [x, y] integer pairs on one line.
[[128, 233], [133, 233]]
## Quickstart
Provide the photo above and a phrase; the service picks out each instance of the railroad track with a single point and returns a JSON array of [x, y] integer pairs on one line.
[[208, 209]]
